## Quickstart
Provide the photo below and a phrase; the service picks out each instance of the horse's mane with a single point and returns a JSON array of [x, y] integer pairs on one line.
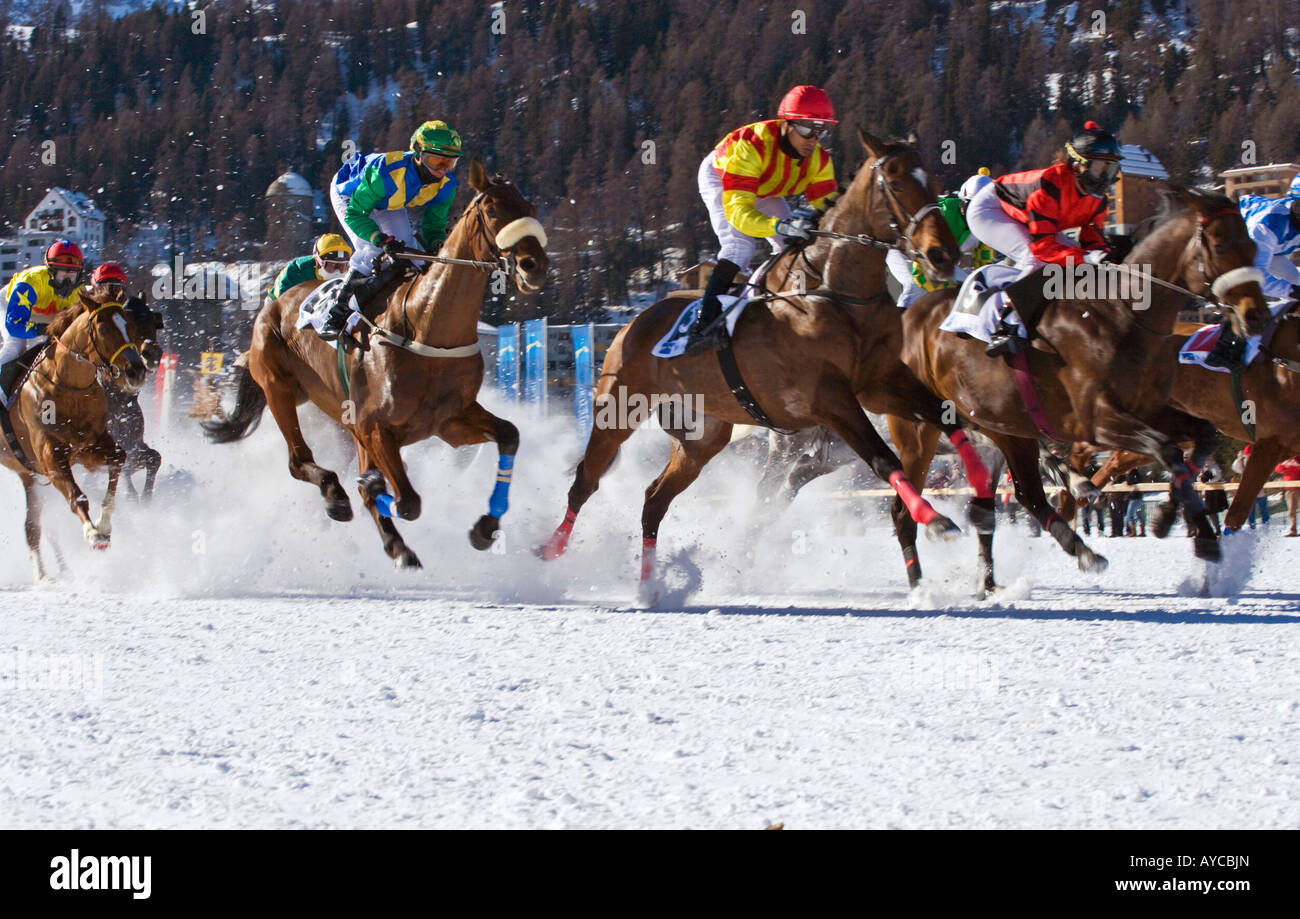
[[1173, 207], [60, 323]]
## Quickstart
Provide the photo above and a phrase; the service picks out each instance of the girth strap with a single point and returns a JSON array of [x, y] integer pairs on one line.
[[1235, 375], [731, 373], [1029, 395]]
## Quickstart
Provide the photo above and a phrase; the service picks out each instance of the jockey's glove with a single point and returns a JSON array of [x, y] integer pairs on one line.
[[391, 245], [1096, 256], [796, 227]]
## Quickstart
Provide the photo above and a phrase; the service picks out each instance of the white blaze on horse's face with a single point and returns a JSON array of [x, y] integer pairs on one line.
[[513, 232], [120, 322]]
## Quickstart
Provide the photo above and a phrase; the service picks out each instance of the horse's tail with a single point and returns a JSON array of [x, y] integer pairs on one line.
[[249, 403]]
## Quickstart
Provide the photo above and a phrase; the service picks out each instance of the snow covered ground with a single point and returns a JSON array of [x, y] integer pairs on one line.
[[238, 660]]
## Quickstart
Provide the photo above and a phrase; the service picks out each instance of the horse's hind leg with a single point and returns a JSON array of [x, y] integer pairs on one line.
[[916, 443], [394, 545], [602, 447], [33, 527], [688, 459], [476, 425], [152, 460], [302, 465], [1022, 456], [1259, 466]]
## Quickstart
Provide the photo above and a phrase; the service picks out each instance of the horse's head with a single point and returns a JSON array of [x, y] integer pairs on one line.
[[1219, 259], [507, 224], [901, 204], [105, 336]]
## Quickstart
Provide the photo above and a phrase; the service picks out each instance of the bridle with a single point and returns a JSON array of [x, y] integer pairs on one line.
[[1234, 277], [106, 369]]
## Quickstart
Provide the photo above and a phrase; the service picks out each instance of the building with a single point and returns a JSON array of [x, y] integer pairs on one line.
[[1136, 195], [61, 214], [290, 208], [1271, 180]]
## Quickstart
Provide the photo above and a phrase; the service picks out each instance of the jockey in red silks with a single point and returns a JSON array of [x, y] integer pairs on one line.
[[1024, 214]]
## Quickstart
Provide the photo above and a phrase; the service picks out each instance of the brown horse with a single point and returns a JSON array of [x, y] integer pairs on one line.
[[1103, 371], [399, 394], [810, 352], [59, 416], [1270, 395]]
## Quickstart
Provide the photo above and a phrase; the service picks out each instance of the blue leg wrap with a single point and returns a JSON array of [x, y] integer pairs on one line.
[[384, 504], [499, 503]]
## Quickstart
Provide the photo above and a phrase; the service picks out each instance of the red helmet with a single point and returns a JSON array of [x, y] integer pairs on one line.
[[64, 253], [807, 103], [108, 272]]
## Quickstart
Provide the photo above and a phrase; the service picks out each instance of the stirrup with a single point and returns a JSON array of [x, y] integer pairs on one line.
[[708, 337], [1004, 342]]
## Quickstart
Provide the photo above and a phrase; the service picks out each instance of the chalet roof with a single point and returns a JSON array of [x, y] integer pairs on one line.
[[1137, 161]]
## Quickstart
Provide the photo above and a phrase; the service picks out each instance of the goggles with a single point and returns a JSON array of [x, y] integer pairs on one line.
[[1103, 170], [435, 161], [816, 129], [64, 275]]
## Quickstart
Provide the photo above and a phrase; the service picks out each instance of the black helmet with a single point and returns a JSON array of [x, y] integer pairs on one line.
[[1095, 155]]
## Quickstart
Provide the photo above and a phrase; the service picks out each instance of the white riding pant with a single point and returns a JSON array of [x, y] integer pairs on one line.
[[735, 246], [996, 228], [394, 223], [901, 268]]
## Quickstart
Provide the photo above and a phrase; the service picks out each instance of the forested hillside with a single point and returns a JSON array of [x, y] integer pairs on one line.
[[601, 111]]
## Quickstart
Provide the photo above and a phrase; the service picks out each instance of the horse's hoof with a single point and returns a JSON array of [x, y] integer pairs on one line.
[[941, 529], [481, 534], [1207, 548], [407, 561], [1164, 519], [1090, 562], [99, 543], [339, 510]]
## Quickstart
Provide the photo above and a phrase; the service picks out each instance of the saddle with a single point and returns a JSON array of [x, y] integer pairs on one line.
[[15, 372]]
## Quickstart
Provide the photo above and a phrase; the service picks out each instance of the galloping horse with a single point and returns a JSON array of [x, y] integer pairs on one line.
[[1102, 370], [59, 416], [401, 393], [1269, 393], [809, 356], [125, 417]]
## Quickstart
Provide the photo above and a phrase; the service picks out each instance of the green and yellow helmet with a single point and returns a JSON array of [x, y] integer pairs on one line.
[[436, 137]]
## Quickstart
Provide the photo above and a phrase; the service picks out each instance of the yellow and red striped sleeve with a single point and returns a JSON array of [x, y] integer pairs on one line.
[[744, 156]]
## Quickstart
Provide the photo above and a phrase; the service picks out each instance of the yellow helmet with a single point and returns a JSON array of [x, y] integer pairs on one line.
[[332, 243]]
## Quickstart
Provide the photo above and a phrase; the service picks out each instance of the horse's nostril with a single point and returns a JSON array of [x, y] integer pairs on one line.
[[937, 255], [528, 263]]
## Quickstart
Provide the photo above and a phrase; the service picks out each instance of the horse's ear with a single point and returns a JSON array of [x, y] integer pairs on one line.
[[478, 177], [872, 144], [912, 139]]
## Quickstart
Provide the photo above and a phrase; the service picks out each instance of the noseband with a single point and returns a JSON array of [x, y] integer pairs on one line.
[[104, 366]]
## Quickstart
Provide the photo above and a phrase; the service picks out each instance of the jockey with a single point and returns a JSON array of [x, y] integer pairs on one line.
[[1274, 225], [108, 284], [35, 295], [1024, 214], [328, 257], [744, 181], [953, 207], [370, 195]]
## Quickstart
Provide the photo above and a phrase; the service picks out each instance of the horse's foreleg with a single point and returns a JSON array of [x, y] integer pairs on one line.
[[1260, 464], [684, 466], [60, 475], [33, 526], [1022, 456], [380, 506], [602, 447], [302, 465], [916, 443], [152, 460], [476, 425], [839, 410]]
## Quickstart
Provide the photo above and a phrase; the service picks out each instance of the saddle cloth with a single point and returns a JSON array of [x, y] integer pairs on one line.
[[1198, 347], [313, 310], [674, 343], [978, 305]]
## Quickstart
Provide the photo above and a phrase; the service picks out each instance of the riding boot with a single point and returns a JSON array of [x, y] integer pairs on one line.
[[705, 330], [337, 317], [1004, 339], [1229, 350]]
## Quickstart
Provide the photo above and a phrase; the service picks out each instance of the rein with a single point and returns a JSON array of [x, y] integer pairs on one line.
[[105, 366]]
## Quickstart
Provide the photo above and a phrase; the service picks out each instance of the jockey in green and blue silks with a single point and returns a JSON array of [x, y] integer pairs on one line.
[[371, 194], [1274, 225]]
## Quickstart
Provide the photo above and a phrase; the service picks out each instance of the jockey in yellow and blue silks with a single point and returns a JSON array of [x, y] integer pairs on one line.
[[34, 296], [371, 193]]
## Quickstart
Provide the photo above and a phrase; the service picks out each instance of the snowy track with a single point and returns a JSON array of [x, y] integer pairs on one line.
[[237, 660]]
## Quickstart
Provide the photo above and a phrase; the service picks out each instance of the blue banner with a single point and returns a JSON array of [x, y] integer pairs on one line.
[[535, 362], [508, 361], [584, 377]]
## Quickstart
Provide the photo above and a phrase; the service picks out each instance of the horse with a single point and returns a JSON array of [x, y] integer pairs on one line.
[[59, 416], [126, 418], [1102, 370], [1265, 411], [809, 356], [421, 384]]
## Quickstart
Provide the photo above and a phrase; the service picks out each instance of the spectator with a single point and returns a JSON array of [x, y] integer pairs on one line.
[[1135, 516], [1290, 472]]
